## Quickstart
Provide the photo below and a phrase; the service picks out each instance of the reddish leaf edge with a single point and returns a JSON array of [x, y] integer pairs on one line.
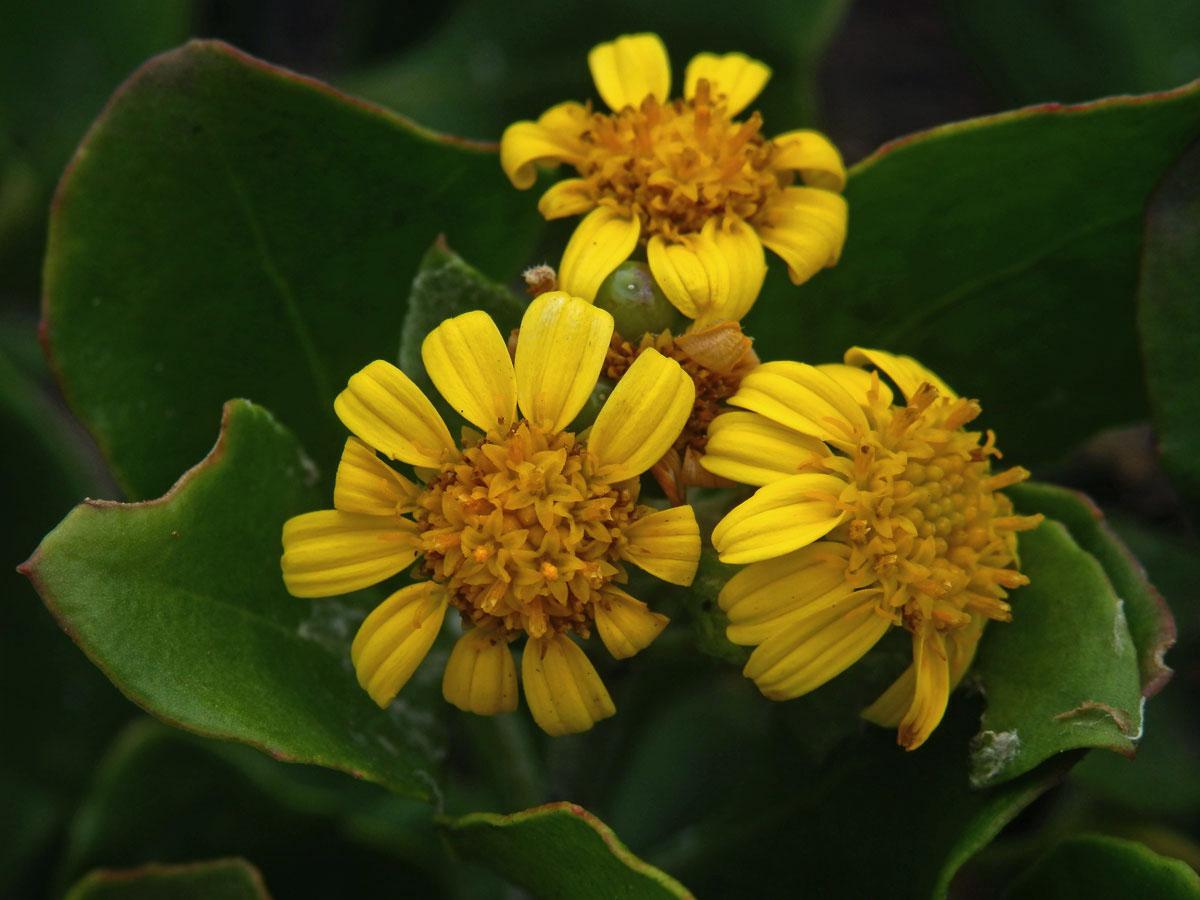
[[618, 849], [170, 869]]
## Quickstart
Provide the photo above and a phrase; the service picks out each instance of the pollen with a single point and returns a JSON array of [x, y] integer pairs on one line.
[[523, 535], [675, 165]]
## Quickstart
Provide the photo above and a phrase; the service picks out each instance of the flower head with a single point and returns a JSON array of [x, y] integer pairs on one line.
[[870, 514], [525, 529], [701, 190]]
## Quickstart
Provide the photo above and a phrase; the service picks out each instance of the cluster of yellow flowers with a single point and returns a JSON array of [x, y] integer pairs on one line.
[[870, 510]]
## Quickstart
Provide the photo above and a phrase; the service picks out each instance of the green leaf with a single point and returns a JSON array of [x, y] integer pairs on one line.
[[231, 229], [559, 850], [1034, 51], [1064, 673], [1146, 613], [981, 247], [1093, 865], [181, 603], [1169, 320], [219, 879]]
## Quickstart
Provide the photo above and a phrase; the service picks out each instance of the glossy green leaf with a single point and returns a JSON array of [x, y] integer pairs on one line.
[[1093, 865], [983, 247], [231, 229], [1169, 321], [1064, 673], [181, 603], [220, 879], [559, 851], [1033, 51]]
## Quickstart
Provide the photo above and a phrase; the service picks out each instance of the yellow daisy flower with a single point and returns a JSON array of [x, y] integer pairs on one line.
[[701, 191], [524, 530], [869, 514]]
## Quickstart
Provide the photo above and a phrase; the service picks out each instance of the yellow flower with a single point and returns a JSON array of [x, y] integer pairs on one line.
[[524, 530], [701, 191], [868, 515]]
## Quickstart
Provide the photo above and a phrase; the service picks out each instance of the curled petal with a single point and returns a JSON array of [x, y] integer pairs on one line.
[[764, 597], [626, 625], [562, 688], [781, 517], [806, 227], [630, 69], [812, 155], [468, 362], [601, 242], [931, 688], [480, 676], [570, 197], [747, 447], [554, 137], [366, 484], [383, 407], [332, 552], [738, 77], [747, 266], [666, 544], [859, 384], [395, 637], [693, 274], [804, 399], [905, 372]]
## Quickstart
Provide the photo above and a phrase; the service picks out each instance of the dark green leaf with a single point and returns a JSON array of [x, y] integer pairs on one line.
[[559, 851], [220, 879], [1034, 51], [1064, 673], [984, 248], [230, 229], [1093, 865], [180, 601], [1169, 320]]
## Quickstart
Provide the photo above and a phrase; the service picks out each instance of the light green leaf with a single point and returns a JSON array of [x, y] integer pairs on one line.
[[220, 879], [1093, 865], [180, 601], [980, 248], [231, 229], [559, 851]]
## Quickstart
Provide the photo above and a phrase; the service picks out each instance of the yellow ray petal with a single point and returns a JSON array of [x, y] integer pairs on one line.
[[781, 517], [735, 75], [366, 484], [858, 383], [562, 689], [812, 155], [804, 399], [468, 362], [747, 447], [806, 227], [394, 638], [813, 650], [560, 352], [601, 242], [480, 676], [570, 197], [743, 254], [905, 372], [630, 69], [626, 625], [332, 552], [666, 544], [931, 689], [554, 137], [693, 275], [642, 417], [383, 407]]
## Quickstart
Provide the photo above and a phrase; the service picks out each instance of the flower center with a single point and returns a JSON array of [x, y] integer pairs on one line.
[[522, 534], [927, 522], [676, 166]]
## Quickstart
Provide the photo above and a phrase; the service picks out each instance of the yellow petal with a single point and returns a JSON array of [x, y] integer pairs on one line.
[[332, 552], [468, 362], [807, 228], [366, 484], [395, 637], [569, 197], [812, 155], [735, 75], [562, 689], [961, 644], [626, 625], [814, 649], [601, 242], [554, 137], [480, 676], [747, 266], [803, 398], [383, 407], [781, 517], [666, 544], [905, 372], [747, 447], [642, 417], [931, 689], [630, 69], [560, 351], [693, 274], [858, 384]]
